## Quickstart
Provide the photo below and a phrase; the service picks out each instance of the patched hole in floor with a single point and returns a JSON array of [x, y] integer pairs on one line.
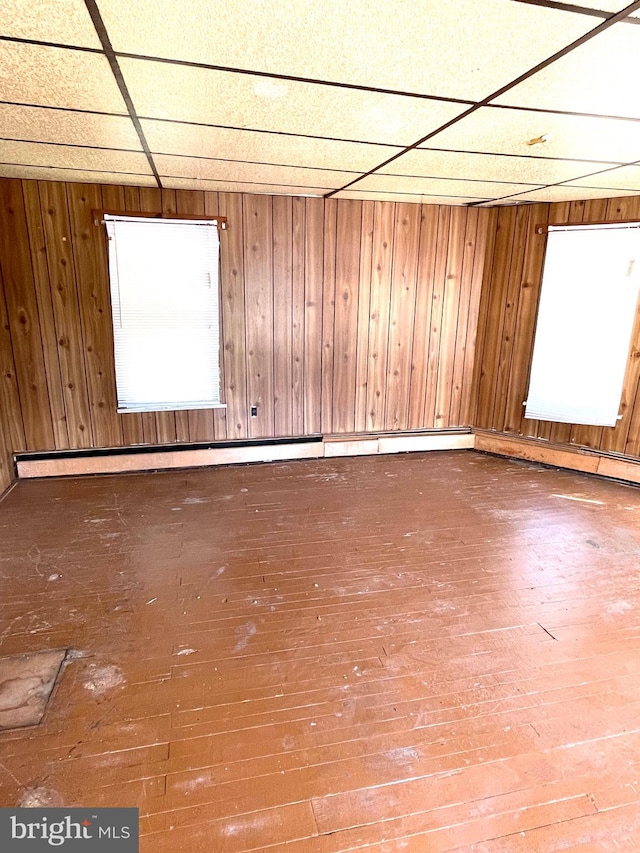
[[26, 682]]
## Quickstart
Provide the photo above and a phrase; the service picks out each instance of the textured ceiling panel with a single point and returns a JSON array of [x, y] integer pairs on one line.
[[66, 157], [45, 125], [429, 47], [412, 199], [610, 6], [160, 90], [503, 131], [231, 187], [438, 186], [170, 138], [563, 193], [221, 170], [487, 167], [599, 77], [59, 21], [40, 173], [53, 76], [624, 178], [255, 131]]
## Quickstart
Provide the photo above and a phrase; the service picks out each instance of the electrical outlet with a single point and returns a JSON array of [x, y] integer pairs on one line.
[[254, 411]]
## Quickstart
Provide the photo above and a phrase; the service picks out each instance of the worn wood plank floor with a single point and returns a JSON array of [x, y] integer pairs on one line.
[[426, 652]]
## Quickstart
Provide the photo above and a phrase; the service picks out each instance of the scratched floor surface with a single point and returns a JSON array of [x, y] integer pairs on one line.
[[426, 652]]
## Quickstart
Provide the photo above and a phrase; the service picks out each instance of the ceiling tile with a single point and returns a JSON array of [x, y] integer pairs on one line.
[[600, 77], [45, 125], [431, 47], [437, 186], [224, 170], [507, 131], [611, 6], [486, 167], [563, 193], [624, 178], [71, 157], [171, 138], [235, 187], [53, 76], [59, 21], [41, 173], [160, 90], [412, 199]]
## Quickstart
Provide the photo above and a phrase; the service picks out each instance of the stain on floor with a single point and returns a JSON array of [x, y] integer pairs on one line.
[[26, 682]]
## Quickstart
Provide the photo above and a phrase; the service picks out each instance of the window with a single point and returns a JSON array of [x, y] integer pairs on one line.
[[585, 320], [164, 298]]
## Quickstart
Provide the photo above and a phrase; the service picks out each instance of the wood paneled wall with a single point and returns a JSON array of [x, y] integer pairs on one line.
[[337, 316], [6, 464], [506, 327]]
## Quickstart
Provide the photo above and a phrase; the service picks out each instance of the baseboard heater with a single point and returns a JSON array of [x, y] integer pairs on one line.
[[117, 460]]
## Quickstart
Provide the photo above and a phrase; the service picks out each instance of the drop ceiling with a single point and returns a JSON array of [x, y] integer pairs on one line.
[[414, 100]]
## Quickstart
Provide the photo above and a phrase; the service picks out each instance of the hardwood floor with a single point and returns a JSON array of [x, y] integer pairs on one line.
[[420, 653]]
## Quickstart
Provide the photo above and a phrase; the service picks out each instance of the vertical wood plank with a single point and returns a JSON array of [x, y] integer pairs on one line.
[[614, 439], [347, 280], [364, 305], [233, 316], [10, 406], [523, 214], [90, 259], [62, 292], [466, 283], [381, 269], [6, 465], [328, 313], [450, 311], [632, 446], [481, 260], [298, 315], [429, 219], [44, 294], [514, 420], [282, 315], [505, 232], [487, 297], [314, 275], [437, 307], [406, 241], [258, 283], [23, 319]]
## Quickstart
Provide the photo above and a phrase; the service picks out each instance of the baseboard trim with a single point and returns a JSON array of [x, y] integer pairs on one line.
[[559, 455], [123, 460]]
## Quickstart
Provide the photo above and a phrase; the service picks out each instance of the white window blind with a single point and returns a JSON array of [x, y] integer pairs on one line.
[[164, 298], [585, 320]]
